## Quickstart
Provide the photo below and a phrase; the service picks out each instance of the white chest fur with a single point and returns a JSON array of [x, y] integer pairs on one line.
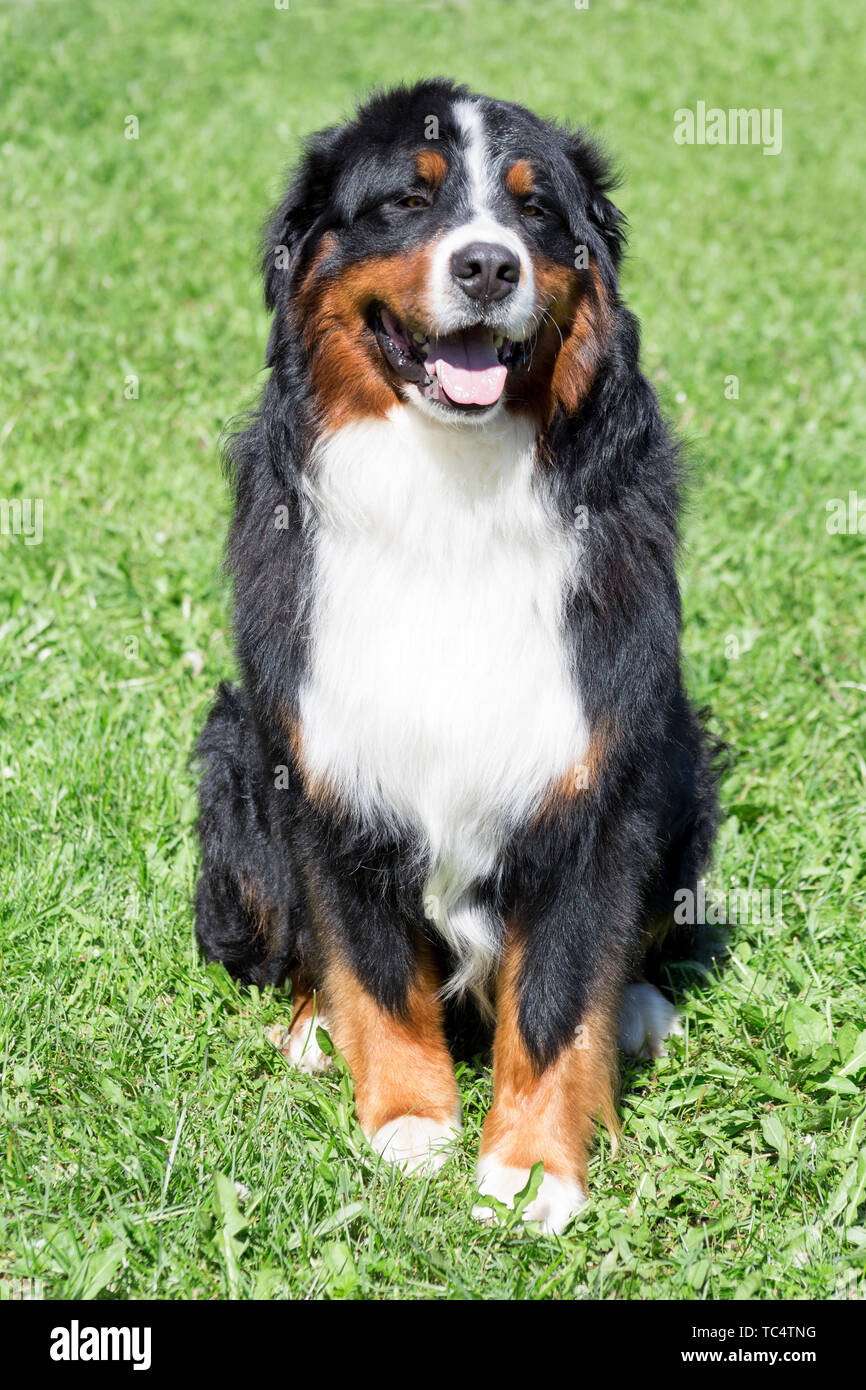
[[438, 694]]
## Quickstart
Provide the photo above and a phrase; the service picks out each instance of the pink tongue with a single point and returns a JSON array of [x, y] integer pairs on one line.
[[468, 369]]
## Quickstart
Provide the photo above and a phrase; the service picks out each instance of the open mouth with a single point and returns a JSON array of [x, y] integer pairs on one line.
[[466, 370]]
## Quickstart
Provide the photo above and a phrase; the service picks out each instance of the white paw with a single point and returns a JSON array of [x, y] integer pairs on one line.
[[300, 1045], [647, 1019], [416, 1143], [553, 1207]]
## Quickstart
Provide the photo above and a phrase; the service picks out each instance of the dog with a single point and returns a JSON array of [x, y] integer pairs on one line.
[[461, 781]]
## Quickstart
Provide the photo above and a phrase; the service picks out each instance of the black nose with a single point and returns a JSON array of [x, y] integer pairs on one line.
[[485, 271]]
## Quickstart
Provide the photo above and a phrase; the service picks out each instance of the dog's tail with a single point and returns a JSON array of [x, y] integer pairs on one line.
[[248, 908]]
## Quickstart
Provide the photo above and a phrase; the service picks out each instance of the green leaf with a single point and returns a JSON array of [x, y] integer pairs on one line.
[[855, 1061], [231, 1222], [511, 1216], [267, 1282], [750, 1285], [850, 1193], [697, 1273], [101, 1269], [805, 1028], [770, 1087], [528, 1193], [840, 1086], [338, 1267], [223, 983], [777, 1136], [111, 1090], [340, 1218]]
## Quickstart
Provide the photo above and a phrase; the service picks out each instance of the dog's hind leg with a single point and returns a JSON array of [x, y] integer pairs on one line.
[[647, 1020], [299, 1042], [687, 825], [249, 913]]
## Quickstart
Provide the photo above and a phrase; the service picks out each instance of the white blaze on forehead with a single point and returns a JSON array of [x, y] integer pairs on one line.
[[476, 153], [450, 306]]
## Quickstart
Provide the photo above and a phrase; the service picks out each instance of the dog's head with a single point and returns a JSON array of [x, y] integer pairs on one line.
[[446, 251]]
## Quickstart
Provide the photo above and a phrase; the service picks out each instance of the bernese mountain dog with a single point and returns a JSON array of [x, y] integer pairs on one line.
[[461, 781]]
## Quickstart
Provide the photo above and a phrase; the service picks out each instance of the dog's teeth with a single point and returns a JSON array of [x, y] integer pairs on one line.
[[419, 337], [498, 339]]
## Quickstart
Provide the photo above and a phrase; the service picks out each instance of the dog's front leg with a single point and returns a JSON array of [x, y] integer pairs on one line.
[[550, 1091], [406, 1094]]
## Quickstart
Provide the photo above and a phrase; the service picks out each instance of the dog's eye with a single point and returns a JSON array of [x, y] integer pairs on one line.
[[532, 210], [413, 200]]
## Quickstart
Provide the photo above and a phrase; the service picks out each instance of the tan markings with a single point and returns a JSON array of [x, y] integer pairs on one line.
[[351, 378], [305, 1004], [306, 1007], [578, 361], [552, 1114], [577, 326], [400, 1062], [580, 777], [519, 180], [266, 918], [327, 246], [431, 166], [320, 792], [258, 908]]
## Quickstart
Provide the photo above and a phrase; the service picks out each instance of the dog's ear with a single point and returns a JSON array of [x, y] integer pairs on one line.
[[597, 178], [295, 218], [610, 222]]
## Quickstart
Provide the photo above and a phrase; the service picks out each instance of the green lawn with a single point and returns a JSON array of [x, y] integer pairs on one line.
[[152, 1141]]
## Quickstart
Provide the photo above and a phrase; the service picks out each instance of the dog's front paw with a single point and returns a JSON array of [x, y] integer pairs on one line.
[[647, 1019], [416, 1143], [299, 1044], [555, 1203]]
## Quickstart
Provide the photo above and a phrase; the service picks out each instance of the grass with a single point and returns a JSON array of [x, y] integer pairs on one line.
[[153, 1143]]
